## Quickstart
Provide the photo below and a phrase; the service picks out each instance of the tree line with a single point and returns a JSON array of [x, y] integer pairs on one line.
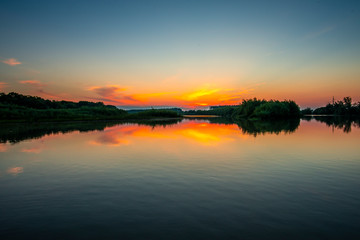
[[15, 106], [343, 107], [254, 109]]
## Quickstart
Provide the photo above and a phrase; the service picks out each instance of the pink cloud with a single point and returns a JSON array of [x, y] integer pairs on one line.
[[11, 62], [108, 91], [113, 94], [34, 83]]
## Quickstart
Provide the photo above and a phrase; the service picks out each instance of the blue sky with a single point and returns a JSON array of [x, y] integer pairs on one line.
[[306, 50]]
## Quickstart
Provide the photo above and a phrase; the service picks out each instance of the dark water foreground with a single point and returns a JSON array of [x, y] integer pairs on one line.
[[190, 179]]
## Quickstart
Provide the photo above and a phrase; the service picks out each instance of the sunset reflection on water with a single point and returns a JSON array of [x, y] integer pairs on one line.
[[201, 133], [190, 173]]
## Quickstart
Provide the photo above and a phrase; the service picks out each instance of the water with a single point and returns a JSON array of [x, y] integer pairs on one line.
[[190, 179]]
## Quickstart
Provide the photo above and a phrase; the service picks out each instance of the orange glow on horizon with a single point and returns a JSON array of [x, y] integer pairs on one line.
[[204, 96], [202, 104], [198, 94], [191, 96]]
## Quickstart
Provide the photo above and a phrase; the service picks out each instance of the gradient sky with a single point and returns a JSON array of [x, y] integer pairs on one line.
[[181, 53]]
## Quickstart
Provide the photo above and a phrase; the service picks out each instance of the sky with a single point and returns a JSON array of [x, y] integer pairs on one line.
[[188, 54]]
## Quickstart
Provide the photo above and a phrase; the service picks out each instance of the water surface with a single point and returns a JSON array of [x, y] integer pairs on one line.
[[190, 179]]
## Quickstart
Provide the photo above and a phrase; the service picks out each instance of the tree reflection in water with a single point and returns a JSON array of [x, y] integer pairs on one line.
[[14, 133]]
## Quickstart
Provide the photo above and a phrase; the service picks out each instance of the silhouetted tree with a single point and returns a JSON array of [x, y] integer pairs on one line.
[[344, 107]]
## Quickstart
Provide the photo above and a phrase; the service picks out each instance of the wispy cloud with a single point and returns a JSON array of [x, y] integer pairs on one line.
[[107, 91], [34, 83], [11, 61], [113, 94]]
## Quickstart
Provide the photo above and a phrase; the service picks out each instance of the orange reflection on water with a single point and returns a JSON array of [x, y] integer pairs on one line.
[[3, 148], [192, 131], [210, 134], [15, 170], [196, 141], [32, 150]]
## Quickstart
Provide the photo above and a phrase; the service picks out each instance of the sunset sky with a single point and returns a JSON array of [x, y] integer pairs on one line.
[[187, 54]]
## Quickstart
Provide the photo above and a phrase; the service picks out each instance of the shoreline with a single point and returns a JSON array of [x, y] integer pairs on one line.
[[89, 120]]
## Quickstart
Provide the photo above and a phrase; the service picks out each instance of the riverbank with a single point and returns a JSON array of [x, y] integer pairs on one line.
[[16, 107]]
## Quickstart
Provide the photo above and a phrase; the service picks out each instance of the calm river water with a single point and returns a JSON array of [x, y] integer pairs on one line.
[[189, 179]]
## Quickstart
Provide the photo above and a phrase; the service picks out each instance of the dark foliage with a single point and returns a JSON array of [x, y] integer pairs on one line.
[[340, 122], [224, 111], [154, 113], [18, 107], [179, 110], [40, 103], [306, 111], [14, 106], [254, 108], [17, 132], [154, 123], [256, 127], [344, 107]]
